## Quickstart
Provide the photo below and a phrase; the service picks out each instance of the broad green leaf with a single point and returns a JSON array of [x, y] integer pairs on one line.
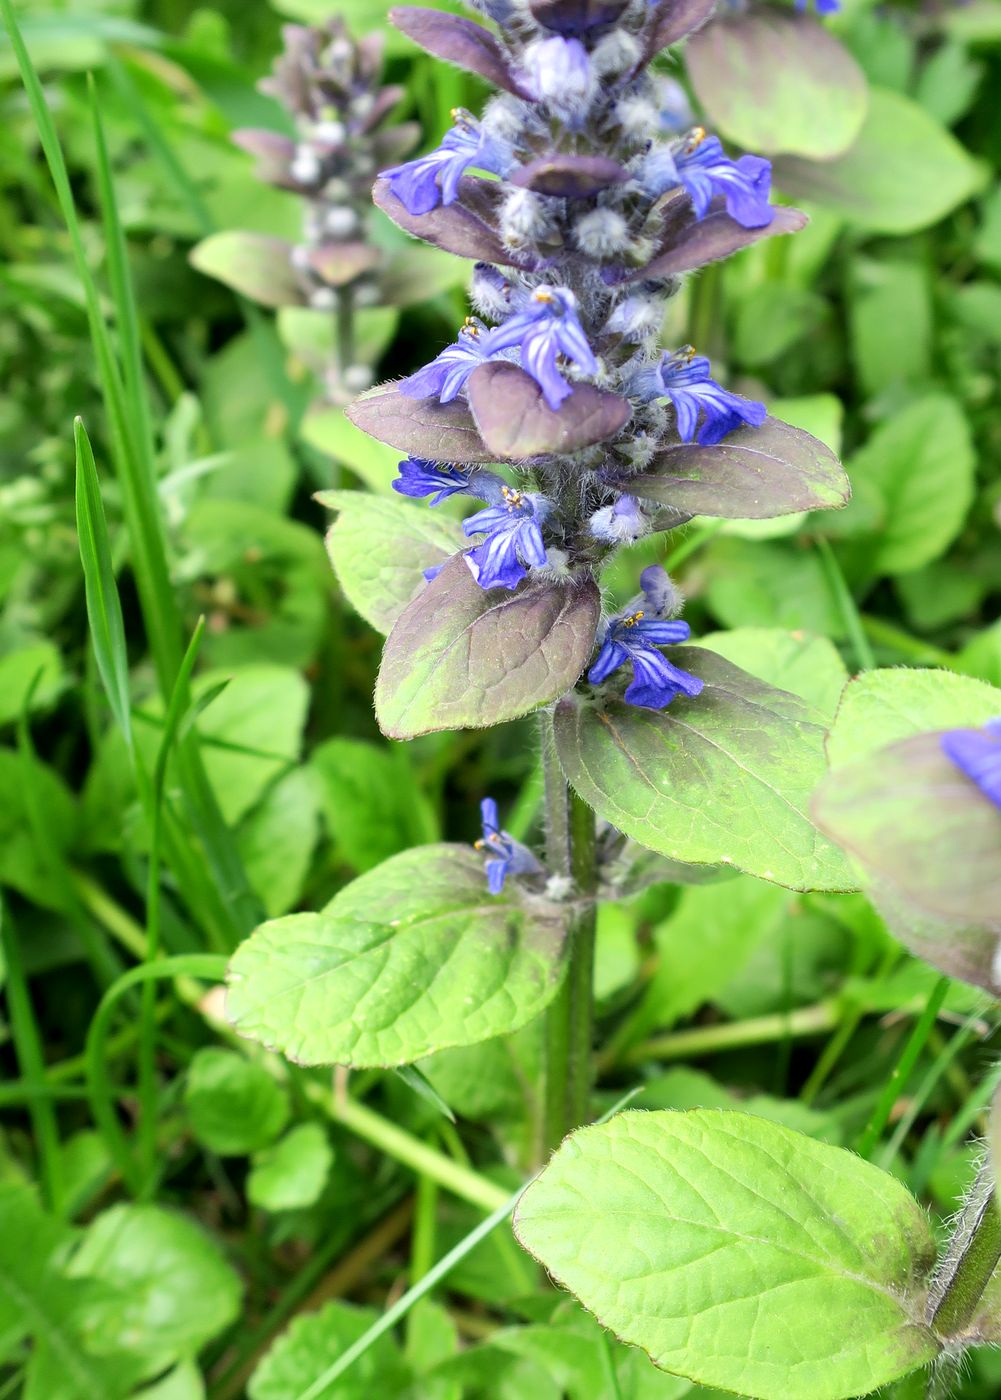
[[233, 1105], [410, 958], [313, 1342], [184, 1382], [891, 322], [380, 547], [254, 264], [754, 583], [777, 82], [330, 430], [756, 473], [810, 667], [38, 1301], [921, 464], [276, 840], [173, 1289], [24, 865], [705, 941], [881, 707], [725, 777], [291, 1175], [463, 657], [737, 1252], [311, 335], [370, 800], [903, 173]]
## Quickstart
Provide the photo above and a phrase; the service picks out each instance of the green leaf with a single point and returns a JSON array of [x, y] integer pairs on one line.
[[313, 1343], [331, 431], [234, 1106], [291, 1175], [921, 463], [755, 474], [410, 958], [24, 865], [891, 323], [753, 583], [778, 83], [881, 707], [31, 674], [380, 548], [172, 1288], [810, 667], [681, 1229], [37, 1300], [277, 839], [463, 657], [904, 173], [725, 777], [253, 264], [371, 802]]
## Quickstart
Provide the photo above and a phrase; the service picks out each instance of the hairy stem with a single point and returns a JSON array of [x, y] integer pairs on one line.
[[970, 1258], [567, 1059]]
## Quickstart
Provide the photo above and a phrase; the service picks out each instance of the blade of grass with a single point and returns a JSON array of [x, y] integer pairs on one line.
[[902, 1069], [919, 1099], [207, 966], [28, 1049], [837, 583]]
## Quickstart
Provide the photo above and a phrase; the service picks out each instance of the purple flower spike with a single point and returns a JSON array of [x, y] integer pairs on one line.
[[422, 184], [503, 855], [702, 167], [419, 477], [513, 539], [445, 377], [635, 638], [684, 378], [547, 328], [977, 752]]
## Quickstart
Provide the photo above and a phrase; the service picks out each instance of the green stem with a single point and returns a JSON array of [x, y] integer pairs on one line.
[[970, 1259], [344, 343], [567, 1032], [902, 1069], [864, 658], [734, 1035]]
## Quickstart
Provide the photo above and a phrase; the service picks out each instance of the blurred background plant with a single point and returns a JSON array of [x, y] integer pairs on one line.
[[254, 1201]]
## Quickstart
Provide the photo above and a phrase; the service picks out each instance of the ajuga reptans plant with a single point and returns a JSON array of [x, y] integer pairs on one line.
[[330, 85], [732, 1250]]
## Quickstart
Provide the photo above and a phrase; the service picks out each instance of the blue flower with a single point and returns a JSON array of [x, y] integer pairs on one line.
[[546, 328], [422, 184], [621, 523], [513, 539], [636, 635], [504, 855], [445, 377], [419, 477], [701, 166], [824, 7], [684, 378], [636, 638], [977, 752]]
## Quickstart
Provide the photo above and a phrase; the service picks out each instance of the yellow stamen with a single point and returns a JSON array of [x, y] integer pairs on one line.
[[695, 137], [470, 327], [687, 353], [513, 499], [632, 619], [542, 294]]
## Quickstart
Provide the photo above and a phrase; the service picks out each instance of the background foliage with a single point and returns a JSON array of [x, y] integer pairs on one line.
[[254, 1236]]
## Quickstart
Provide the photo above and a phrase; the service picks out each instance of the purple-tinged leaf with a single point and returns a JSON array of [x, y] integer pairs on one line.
[[724, 777], [389, 147], [253, 264], [572, 177], [515, 421], [380, 547], [458, 41], [273, 152], [451, 227], [461, 657], [916, 822], [690, 243], [672, 20], [753, 474], [439, 432], [340, 263], [573, 17], [779, 84]]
